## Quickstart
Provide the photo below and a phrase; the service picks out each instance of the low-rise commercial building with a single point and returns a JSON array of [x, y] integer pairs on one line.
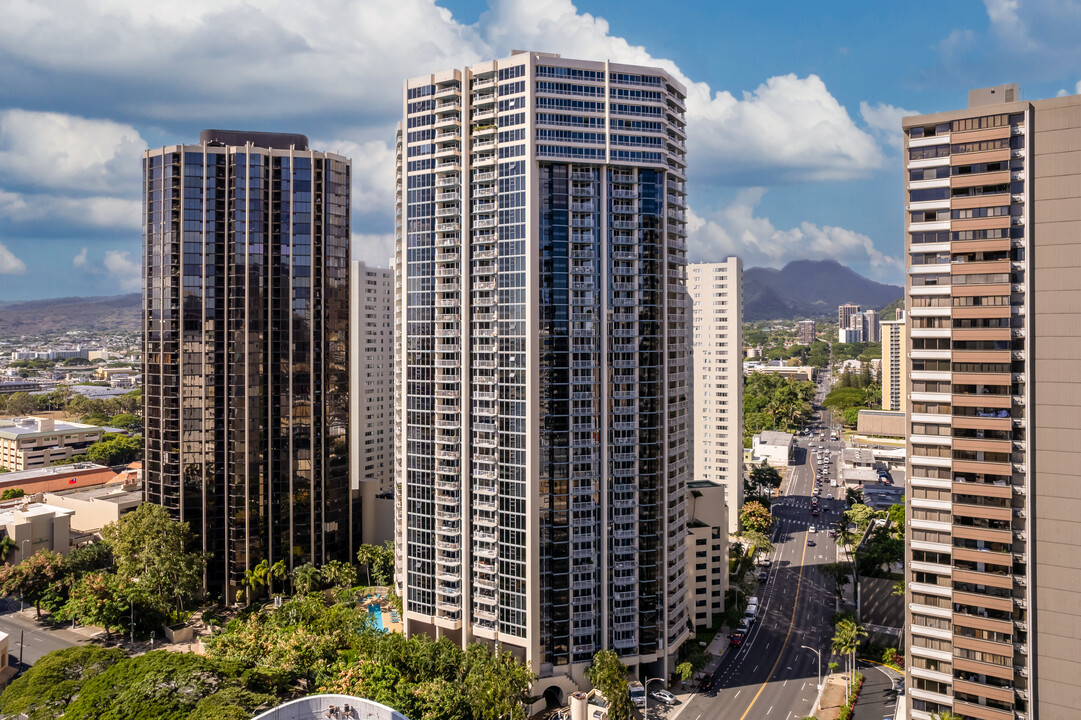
[[773, 446], [32, 442], [96, 507], [36, 526], [57, 477]]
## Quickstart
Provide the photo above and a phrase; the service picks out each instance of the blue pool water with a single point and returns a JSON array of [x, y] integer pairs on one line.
[[377, 617]]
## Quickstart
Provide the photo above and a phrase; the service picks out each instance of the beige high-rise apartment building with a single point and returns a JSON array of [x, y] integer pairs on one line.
[[894, 363], [717, 299], [543, 379], [371, 401], [868, 320], [994, 249], [805, 332]]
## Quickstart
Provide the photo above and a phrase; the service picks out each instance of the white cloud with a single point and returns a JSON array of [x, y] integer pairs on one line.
[[788, 129], [80, 259], [9, 264], [98, 212], [735, 230], [885, 122], [125, 272], [58, 151], [376, 249]]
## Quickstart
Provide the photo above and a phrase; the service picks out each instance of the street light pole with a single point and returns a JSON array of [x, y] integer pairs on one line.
[[818, 653], [646, 688]]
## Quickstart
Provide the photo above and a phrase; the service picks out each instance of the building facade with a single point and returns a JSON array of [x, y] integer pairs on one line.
[[34, 442], [869, 324], [717, 300], [707, 552], [994, 598], [805, 332], [371, 400], [844, 315], [543, 429], [894, 363], [246, 348]]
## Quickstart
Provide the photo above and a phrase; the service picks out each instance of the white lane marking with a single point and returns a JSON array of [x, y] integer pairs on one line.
[[737, 694], [770, 710], [755, 669]]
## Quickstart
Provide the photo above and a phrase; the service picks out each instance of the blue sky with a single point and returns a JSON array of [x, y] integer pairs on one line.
[[793, 108]]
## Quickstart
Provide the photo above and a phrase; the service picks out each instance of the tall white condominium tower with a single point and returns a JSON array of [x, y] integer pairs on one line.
[[371, 405], [544, 319], [716, 291]]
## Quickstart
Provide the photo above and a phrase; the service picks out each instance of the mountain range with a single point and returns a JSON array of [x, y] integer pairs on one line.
[[810, 289], [801, 289]]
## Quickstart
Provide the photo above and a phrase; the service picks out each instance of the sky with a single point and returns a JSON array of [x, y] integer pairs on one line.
[[793, 109]]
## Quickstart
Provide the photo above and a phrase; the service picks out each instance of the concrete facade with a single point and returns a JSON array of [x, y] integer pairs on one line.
[[881, 423], [995, 362], [772, 446], [36, 526], [543, 377], [717, 300], [707, 551], [805, 332], [371, 400], [33, 442], [894, 364]]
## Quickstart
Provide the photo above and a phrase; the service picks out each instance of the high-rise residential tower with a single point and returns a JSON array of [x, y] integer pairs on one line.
[[894, 363], [868, 320], [717, 298], [805, 332], [371, 396], [994, 250], [543, 426], [844, 315], [246, 348]]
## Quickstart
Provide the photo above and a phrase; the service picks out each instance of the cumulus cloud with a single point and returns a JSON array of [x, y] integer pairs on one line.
[[125, 272], [79, 260], [9, 264], [97, 212], [376, 249], [885, 122], [58, 151], [736, 230]]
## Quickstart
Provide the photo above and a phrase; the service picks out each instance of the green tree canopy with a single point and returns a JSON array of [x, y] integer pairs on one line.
[[151, 552], [754, 517], [609, 675], [45, 690]]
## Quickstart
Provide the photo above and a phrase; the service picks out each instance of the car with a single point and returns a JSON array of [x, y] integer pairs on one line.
[[832, 533], [663, 696], [765, 562], [814, 513], [763, 576], [736, 639], [811, 530], [811, 543]]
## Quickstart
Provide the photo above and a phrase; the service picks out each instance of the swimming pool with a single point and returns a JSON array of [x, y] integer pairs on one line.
[[377, 617]]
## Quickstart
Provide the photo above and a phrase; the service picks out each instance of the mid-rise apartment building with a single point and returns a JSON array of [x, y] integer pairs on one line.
[[32, 442], [707, 552], [543, 377], [994, 574], [371, 399], [717, 299], [805, 332], [894, 363], [246, 348]]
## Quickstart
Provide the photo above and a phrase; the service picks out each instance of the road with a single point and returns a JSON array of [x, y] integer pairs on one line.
[[878, 698], [770, 676], [37, 639]]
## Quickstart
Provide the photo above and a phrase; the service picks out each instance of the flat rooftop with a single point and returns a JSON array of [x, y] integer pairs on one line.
[[40, 473], [114, 493], [12, 430]]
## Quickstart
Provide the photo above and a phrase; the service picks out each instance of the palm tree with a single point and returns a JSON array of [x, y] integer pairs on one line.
[[846, 641], [305, 579], [945, 715], [277, 571]]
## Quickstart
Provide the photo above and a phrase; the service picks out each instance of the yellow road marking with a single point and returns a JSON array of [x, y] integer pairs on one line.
[[784, 644]]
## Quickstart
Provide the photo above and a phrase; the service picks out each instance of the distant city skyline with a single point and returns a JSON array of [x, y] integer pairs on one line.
[[763, 186]]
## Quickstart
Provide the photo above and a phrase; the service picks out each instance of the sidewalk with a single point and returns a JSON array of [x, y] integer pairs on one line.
[[833, 697]]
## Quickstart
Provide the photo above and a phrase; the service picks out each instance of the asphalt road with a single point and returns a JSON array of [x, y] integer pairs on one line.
[[878, 698], [770, 676], [37, 640]]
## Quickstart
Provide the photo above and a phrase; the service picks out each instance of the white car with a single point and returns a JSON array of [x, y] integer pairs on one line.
[[811, 529]]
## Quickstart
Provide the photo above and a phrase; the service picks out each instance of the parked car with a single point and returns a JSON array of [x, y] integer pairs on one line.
[[736, 639], [763, 576], [663, 696]]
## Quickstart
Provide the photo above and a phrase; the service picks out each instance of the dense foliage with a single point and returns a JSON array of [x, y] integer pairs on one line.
[[755, 518], [772, 402], [47, 688], [609, 675], [99, 411]]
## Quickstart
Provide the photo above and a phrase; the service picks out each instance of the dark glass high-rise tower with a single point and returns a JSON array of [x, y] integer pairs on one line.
[[246, 348]]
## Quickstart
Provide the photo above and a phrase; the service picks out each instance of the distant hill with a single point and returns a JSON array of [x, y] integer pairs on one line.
[[117, 313], [810, 288]]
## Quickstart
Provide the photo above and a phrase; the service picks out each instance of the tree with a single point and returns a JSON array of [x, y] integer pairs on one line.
[[945, 715], [759, 540], [127, 421], [685, 670], [98, 598], [6, 546], [378, 561], [754, 517], [119, 450], [21, 404], [860, 515], [839, 572], [609, 675], [12, 494], [45, 690], [764, 476], [151, 551], [846, 640], [338, 574], [4, 469], [306, 579], [896, 514], [32, 579], [851, 416]]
